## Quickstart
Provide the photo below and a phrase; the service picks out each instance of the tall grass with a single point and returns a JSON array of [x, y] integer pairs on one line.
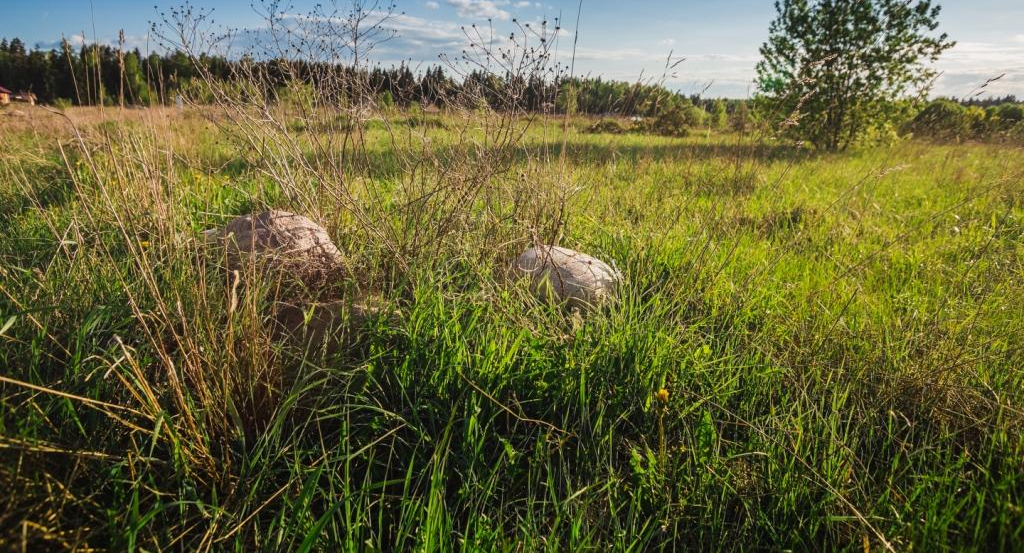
[[838, 336]]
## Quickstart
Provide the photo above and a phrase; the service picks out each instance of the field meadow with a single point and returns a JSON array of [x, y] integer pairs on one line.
[[809, 351]]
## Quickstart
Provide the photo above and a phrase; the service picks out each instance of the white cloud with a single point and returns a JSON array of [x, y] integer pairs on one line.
[[742, 59], [432, 5], [668, 42], [962, 83], [966, 67], [1017, 38], [522, 4], [76, 41], [980, 53], [617, 54], [322, 38], [479, 9], [426, 32]]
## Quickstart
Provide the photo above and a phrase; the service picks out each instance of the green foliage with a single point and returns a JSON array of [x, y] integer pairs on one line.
[[672, 121], [840, 338], [424, 121], [197, 91], [568, 99], [718, 118], [299, 97], [942, 119], [693, 115], [92, 75], [675, 116], [740, 120], [832, 69], [607, 126], [1009, 113], [946, 120]]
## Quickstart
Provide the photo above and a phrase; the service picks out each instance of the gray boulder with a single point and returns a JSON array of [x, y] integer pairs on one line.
[[569, 276], [280, 241]]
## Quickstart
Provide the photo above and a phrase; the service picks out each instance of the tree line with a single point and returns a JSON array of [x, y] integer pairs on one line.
[[92, 74], [100, 74], [833, 73]]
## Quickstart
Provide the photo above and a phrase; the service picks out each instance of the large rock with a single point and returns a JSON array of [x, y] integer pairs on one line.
[[283, 242], [570, 276]]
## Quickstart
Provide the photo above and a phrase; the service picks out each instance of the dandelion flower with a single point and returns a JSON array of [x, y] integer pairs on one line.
[[663, 395]]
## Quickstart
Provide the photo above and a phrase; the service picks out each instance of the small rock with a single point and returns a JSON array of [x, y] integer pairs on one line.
[[567, 275], [284, 242]]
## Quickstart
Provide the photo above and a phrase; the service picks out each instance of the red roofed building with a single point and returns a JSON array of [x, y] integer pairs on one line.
[[5, 96], [26, 97]]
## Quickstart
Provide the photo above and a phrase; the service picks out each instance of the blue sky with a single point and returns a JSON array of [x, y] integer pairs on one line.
[[617, 39]]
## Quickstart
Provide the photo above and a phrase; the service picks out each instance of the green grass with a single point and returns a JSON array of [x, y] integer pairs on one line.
[[840, 336]]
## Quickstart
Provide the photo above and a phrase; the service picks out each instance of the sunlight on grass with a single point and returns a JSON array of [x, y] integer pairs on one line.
[[808, 349]]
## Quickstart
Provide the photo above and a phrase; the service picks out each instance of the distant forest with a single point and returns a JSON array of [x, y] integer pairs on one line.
[[986, 101], [99, 74]]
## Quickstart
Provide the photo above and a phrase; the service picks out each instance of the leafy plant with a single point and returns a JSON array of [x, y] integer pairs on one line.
[[834, 68], [607, 126]]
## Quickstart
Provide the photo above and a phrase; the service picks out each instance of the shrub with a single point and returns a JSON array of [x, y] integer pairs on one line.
[[739, 119], [676, 119], [197, 91], [425, 121], [297, 95], [976, 122], [719, 116], [671, 122], [606, 126], [1011, 113], [693, 115], [1016, 133], [948, 120], [941, 120]]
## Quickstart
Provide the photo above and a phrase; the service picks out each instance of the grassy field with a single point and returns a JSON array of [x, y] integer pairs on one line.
[[839, 336]]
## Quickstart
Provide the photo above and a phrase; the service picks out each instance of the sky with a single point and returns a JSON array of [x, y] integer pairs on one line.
[[717, 41]]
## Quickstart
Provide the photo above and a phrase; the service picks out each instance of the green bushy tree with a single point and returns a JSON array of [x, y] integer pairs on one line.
[[942, 120], [719, 117], [945, 119], [1009, 113], [843, 64], [740, 119]]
